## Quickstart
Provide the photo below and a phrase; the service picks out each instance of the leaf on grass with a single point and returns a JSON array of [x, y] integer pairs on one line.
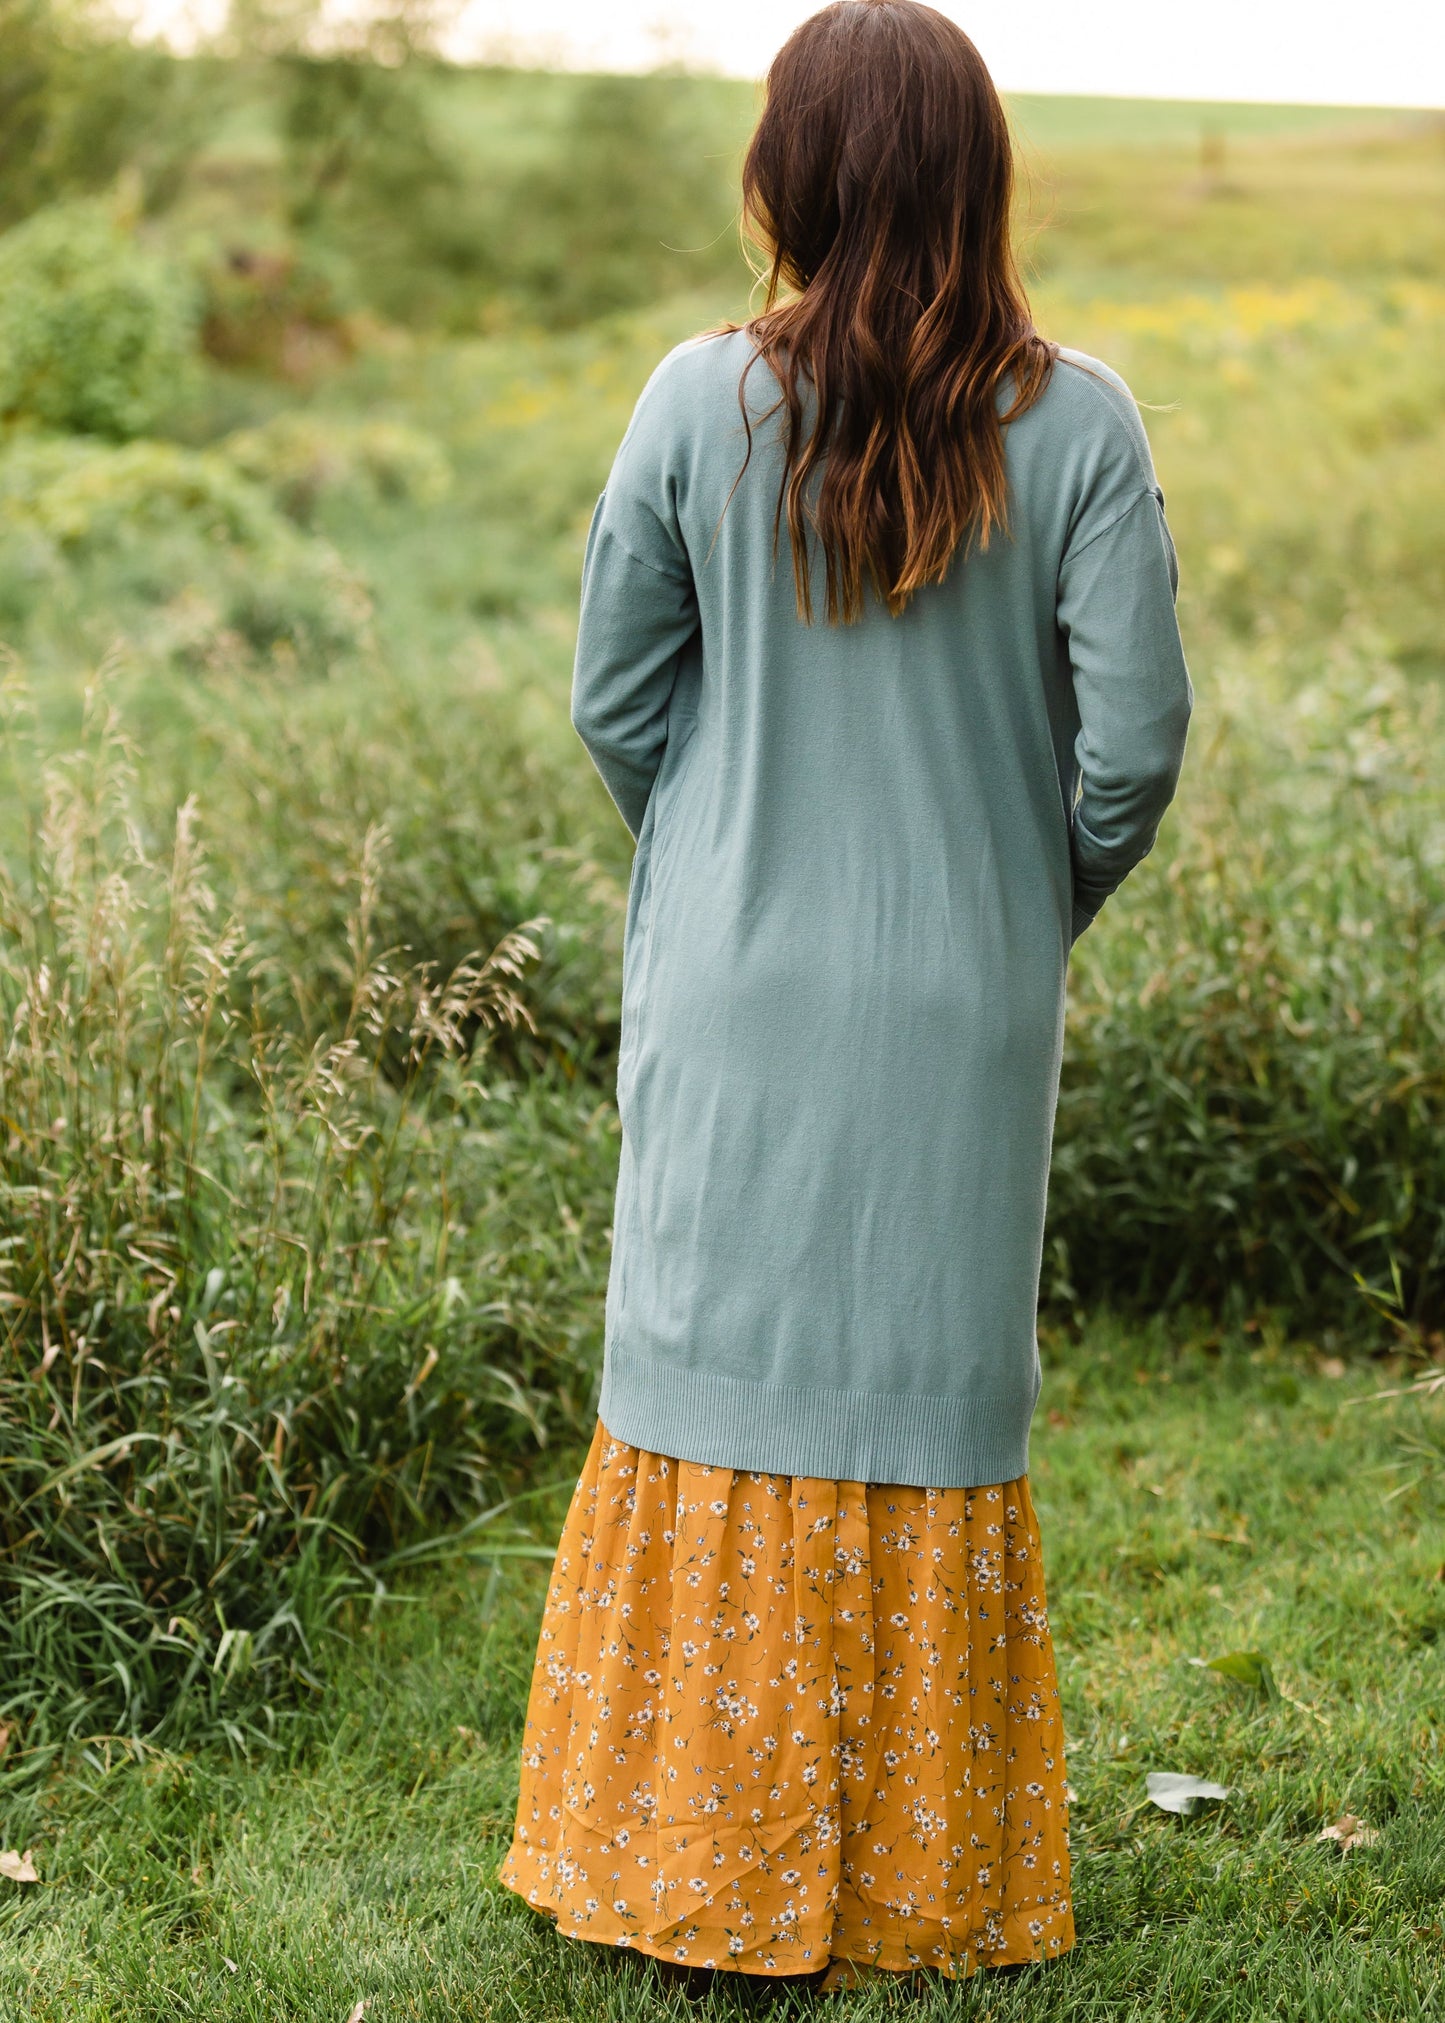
[[1174, 1791], [1250, 1669], [1349, 1832], [6, 1732], [358, 2012], [17, 1867]]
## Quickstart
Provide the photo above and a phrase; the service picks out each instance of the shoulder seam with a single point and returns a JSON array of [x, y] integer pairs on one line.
[[1149, 492], [1102, 393], [642, 561]]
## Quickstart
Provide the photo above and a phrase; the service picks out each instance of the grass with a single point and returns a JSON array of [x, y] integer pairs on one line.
[[1056, 121], [1198, 1495], [260, 1325]]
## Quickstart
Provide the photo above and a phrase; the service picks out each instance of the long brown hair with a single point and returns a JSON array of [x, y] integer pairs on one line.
[[878, 186]]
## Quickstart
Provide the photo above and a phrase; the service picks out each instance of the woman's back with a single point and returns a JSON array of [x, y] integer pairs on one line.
[[882, 672], [859, 870]]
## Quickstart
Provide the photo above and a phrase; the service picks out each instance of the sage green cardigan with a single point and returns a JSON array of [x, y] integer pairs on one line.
[[862, 856]]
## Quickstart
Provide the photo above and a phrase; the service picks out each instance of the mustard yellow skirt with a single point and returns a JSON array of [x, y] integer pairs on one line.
[[777, 1721]]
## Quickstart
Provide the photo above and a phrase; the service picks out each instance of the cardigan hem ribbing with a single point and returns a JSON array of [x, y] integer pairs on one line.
[[904, 1438]]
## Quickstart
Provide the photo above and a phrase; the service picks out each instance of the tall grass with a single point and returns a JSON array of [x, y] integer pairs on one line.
[[1253, 1105], [237, 1368]]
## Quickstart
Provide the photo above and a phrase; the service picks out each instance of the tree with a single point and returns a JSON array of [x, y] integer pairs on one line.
[[79, 102]]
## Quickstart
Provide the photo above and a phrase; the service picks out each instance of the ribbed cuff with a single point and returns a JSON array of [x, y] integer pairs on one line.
[[1082, 918]]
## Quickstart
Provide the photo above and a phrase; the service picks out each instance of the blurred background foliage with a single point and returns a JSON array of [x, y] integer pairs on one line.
[[314, 351]]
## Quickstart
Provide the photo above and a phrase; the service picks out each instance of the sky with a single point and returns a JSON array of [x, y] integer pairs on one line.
[[1323, 52]]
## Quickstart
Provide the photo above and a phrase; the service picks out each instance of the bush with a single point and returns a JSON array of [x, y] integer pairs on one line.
[[83, 103], [268, 1314], [451, 199], [96, 331], [371, 174], [629, 207], [145, 522], [303, 458], [86, 495], [274, 312], [490, 825], [1253, 1102]]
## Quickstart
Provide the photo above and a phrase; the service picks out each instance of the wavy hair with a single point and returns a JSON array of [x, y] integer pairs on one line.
[[877, 187]]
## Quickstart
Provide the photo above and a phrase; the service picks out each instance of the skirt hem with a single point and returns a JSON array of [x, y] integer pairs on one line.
[[961, 1967]]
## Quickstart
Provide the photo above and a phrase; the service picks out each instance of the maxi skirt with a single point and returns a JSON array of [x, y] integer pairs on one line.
[[776, 1721]]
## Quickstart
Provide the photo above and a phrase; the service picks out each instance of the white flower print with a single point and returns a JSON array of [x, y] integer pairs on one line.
[[766, 1789]]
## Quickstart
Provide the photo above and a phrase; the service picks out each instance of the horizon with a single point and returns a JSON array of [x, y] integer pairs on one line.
[[1308, 53]]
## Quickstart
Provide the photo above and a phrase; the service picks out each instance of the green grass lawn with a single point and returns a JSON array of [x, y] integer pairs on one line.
[[1198, 1497], [1054, 120]]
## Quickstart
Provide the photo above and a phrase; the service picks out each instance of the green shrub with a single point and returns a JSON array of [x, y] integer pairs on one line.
[[452, 199], [268, 1312], [491, 816], [279, 312], [1253, 1101], [302, 458], [628, 207], [86, 495], [141, 523], [369, 174], [32, 577], [83, 103], [96, 330]]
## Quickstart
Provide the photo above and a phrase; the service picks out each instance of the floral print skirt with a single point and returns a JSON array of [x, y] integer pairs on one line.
[[777, 1721]]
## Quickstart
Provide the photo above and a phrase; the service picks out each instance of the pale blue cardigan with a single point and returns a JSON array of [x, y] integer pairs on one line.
[[863, 853]]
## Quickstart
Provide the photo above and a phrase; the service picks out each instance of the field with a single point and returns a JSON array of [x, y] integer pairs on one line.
[[309, 933]]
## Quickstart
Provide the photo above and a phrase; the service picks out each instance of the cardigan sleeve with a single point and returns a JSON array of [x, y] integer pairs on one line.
[[639, 610], [1116, 612]]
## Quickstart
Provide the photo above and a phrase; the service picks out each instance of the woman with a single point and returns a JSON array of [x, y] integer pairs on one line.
[[878, 659]]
